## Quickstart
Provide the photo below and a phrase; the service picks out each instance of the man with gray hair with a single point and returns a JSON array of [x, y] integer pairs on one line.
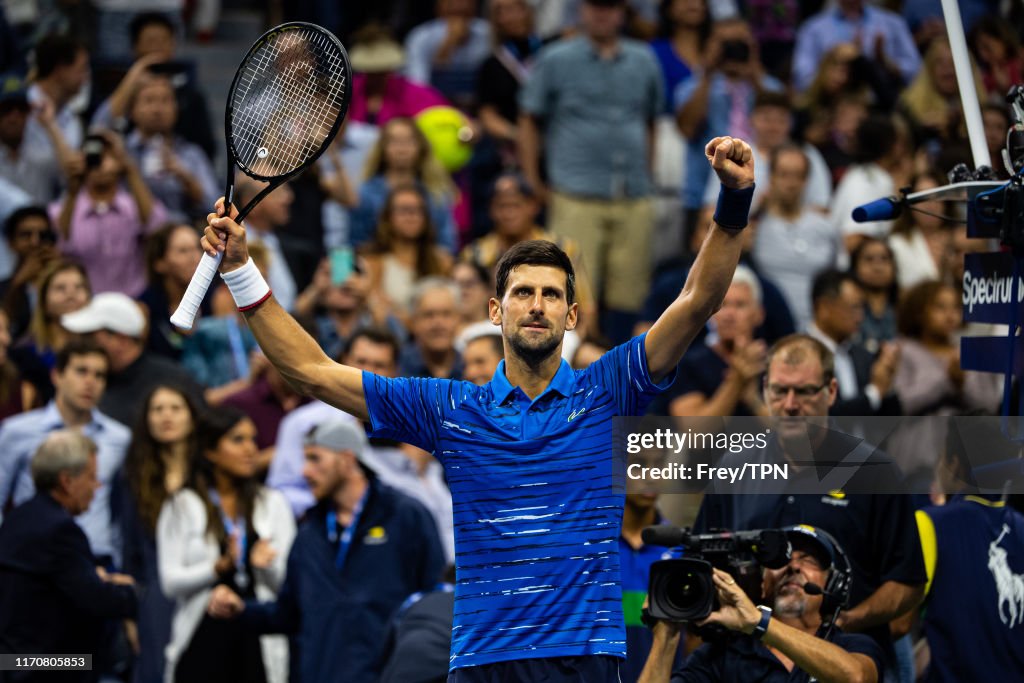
[[359, 553], [433, 323], [53, 595], [721, 377]]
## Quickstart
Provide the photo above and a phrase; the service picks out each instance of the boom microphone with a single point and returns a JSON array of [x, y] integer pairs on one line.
[[813, 589], [879, 210]]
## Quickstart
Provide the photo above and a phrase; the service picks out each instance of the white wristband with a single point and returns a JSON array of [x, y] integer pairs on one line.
[[247, 286]]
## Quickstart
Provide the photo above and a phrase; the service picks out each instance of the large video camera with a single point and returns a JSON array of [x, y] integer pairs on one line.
[[682, 590]]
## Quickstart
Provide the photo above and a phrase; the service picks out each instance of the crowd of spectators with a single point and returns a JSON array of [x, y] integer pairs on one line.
[[586, 121]]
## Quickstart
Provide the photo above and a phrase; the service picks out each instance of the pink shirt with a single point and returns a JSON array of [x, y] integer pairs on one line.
[[401, 98], [109, 241]]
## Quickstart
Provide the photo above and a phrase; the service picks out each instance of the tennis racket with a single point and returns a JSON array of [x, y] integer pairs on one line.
[[286, 104]]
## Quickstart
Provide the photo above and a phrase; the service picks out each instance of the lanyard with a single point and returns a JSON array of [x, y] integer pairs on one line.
[[235, 528], [346, 535]]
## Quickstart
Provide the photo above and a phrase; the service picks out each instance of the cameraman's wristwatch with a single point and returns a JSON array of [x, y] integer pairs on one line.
[[762, 626]]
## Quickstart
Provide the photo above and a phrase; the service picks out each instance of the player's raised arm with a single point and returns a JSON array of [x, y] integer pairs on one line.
[[711, 274], [293, 352]]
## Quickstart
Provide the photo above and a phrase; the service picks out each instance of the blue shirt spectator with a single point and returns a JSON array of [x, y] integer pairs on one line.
[[636, 572], [870, 27]]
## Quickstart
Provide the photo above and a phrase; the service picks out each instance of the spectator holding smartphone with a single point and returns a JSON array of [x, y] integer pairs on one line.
[[104, 214], [154, 47]]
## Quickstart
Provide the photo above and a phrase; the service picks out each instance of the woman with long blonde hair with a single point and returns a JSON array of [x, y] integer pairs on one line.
[[932, 100]]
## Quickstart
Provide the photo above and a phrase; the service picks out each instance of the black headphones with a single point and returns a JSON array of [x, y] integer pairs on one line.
[[836, 593]]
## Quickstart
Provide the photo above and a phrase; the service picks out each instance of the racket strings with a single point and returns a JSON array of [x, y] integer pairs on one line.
[[287, 100]]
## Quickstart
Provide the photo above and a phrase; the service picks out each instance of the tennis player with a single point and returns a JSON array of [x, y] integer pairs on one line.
[[528, 456]]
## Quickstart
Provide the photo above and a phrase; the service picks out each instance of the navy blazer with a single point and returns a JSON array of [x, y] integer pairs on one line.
[[51, 599]]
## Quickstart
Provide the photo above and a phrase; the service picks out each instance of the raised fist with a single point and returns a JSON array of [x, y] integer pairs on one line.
[[733, 161]]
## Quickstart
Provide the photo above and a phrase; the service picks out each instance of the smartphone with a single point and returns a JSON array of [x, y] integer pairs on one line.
[[342, 264]]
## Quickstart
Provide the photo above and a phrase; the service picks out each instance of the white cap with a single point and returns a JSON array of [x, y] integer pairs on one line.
[[111, 311], [474, 331]]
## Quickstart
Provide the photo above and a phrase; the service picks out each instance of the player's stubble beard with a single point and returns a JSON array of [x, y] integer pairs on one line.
[[533, 352]]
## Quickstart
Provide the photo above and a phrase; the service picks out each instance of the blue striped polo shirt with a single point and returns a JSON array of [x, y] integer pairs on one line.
[[537, 517]]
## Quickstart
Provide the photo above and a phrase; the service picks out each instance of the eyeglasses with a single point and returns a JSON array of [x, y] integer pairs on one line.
[[778, 392]]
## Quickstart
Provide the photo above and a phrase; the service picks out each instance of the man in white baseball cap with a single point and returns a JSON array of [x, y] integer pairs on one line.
[[117, 324]]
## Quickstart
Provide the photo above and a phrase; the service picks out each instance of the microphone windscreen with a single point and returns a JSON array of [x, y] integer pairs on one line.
[[813, 589], [663, 534], [878, 210]]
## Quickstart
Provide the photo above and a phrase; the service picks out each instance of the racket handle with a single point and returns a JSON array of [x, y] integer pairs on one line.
[[185, 316]]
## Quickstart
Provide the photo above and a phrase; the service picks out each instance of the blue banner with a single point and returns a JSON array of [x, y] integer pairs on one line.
[[990, 354], [988, 288]]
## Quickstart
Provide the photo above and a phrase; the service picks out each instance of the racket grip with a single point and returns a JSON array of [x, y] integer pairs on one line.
[[185, 316]]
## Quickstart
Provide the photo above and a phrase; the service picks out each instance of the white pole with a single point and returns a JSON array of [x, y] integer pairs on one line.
[[965, 79]]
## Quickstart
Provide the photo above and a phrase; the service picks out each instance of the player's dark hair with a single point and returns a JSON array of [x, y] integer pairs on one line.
[[375, 335], [78, 347], [18, 215], [56, 50], [536, 253], [145, 19]]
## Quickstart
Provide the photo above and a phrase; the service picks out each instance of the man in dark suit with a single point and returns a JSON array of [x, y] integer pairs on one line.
[[865, 380], [53, 597]]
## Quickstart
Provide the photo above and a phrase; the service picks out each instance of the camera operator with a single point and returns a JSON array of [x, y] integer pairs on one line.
[[793, 641], [876, 527]]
